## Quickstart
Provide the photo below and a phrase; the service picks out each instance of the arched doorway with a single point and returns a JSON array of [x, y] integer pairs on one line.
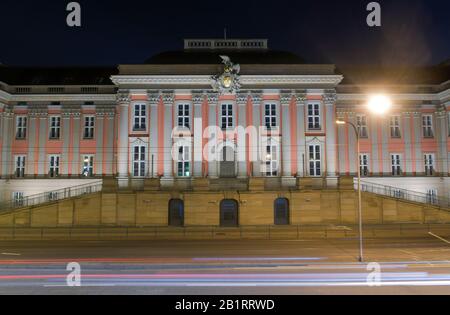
[[229, 213], [176, 212], [281, 211], [227, 162]]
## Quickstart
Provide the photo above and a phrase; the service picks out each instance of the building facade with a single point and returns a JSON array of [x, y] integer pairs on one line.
[[166, 119]]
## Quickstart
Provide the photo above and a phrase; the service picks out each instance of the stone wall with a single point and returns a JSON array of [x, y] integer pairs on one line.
[[256, 208]]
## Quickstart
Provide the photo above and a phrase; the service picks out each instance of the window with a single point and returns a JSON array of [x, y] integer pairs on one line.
[[20, 166], [315, 160], [53, 166], [396, 165], [395, 127], [18, 199], [88, 165], [271, 159], [271, 116], [227, 116], [140, 117], [314, 117], [89, 124], [184, 165], [364, 164], [229, 209], [281, 211], [361, 121], [429, 164], [176, 212], [21, 127], [184, 115], [398, 193], [139, 161], [52, 196], [427, 126], [55, 127], [432, 196]]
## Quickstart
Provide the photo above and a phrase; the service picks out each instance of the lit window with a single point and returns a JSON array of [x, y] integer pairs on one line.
[[140, 117], [20, 166], [315, 160], [271, 116], [432, 196], [184, 115], [396, 165], [88, 165], [361, 121], [184, 164], [271, 159], [427, 126], [19, 199], [364, 164], [89, 125], [314, 117], [429, 164], [395, 127], [139, 161], [55, 127], [227, 116], [53, 166], [21, 127]]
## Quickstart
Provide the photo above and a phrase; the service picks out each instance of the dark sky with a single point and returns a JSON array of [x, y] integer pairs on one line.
[[34, 32]]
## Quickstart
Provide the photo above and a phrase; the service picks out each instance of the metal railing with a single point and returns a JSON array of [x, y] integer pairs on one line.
[[51, 196], [403, 194]]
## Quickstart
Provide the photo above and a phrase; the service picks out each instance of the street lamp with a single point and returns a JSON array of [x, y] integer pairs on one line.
[[378, 104]]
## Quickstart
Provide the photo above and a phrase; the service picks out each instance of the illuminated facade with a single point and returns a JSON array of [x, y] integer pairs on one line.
[[69, 126]]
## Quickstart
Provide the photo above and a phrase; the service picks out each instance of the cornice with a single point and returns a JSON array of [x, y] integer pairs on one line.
[[398, 97], [244, 79], [64, 98]]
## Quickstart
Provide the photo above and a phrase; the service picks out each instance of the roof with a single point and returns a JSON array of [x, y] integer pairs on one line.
[[395, 75], [195, 57], [57, 76]]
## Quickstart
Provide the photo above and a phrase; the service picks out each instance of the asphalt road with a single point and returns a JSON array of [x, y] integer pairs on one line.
[[407, 266]]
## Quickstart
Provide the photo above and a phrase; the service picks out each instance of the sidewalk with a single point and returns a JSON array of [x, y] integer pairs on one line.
[[218, 233]]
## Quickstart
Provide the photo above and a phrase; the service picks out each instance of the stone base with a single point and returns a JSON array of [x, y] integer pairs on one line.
[[152, 184], [288, 182], [201, 184], [256, 183]]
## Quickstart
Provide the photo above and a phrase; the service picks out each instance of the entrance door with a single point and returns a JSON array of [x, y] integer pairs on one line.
[[229, 213], [176, 212], [227, 162]]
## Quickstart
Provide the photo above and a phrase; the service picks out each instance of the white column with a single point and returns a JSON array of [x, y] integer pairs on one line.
[[442, 135], [99, 129], [66, 115], [7, 135], [154, 99], [257, 99], [242, 100], [329, 100], [286, 141], [213, 100], [197, 102], [301, 143], [168, 99], [122, 154]]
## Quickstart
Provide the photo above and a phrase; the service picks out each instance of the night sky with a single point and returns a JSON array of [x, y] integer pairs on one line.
[[34, 32]]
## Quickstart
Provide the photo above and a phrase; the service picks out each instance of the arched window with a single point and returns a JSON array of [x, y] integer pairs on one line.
[[281, 211], [229, 213], [176, 212]]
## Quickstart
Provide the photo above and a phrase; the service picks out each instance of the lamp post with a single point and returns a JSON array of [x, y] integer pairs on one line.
[[378, 104]]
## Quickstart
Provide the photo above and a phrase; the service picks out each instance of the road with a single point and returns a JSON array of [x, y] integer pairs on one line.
[[408, 266]]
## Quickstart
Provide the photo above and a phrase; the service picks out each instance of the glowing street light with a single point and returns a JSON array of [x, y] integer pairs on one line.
[[379, 104]]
